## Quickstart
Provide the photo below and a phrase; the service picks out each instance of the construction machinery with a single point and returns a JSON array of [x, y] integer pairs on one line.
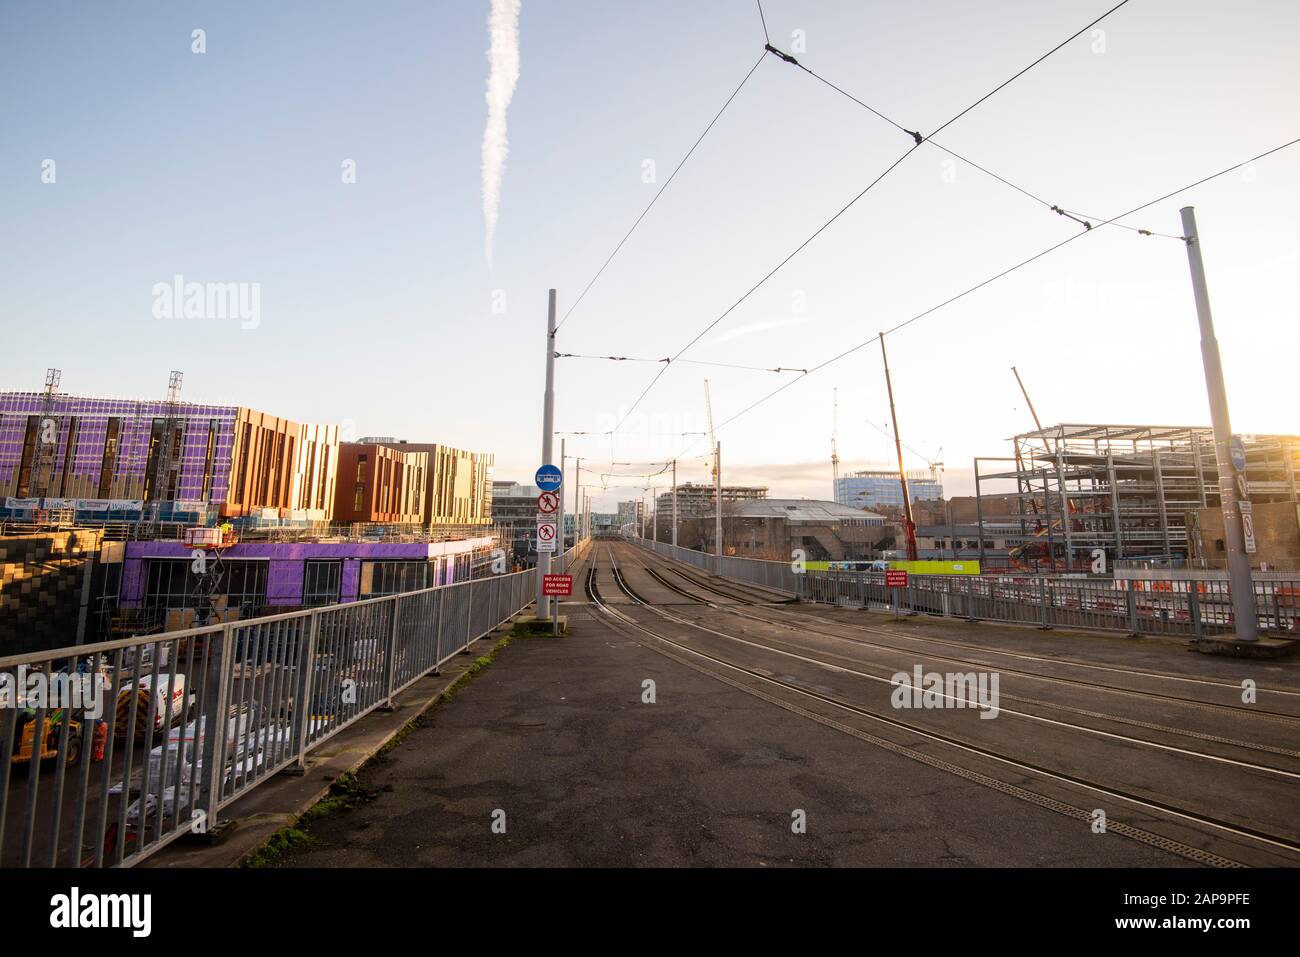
[[898, 447]]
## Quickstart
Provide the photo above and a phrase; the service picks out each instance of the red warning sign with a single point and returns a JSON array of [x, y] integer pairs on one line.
[[557, 585], [896, 579]]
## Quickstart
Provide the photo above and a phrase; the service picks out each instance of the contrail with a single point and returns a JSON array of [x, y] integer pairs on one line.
[[503, 74]]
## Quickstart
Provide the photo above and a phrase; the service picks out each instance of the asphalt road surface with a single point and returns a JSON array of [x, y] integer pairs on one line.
[[772, 740]]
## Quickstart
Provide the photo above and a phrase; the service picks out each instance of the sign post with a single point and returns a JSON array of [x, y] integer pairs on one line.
[[894, 580], [548, 476]]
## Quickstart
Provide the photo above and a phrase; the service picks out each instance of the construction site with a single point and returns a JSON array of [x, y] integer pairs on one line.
[[1135, 494]]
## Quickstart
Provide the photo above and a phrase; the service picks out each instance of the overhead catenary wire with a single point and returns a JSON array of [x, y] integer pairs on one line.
[[754, 288], [659, 192], [698, 362], [1082, 218], [918, 139], [1004, 84], [994, 278]]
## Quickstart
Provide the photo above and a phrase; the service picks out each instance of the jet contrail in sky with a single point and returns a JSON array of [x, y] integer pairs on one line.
[[503, 74]]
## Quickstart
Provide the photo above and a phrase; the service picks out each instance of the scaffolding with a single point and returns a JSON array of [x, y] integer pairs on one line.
[[47, 440], [1128, 492]]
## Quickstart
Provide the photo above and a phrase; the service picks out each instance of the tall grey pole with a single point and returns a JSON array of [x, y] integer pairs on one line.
[[548, 434], [717, 493], [1243, 589], [654, 502], [559, 511], [577, 500], [674, 503]]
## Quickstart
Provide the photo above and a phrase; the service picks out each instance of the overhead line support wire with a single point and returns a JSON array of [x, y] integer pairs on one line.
[[698, 362], [918, 140], [659, 193], [980, 285], [772, 272]]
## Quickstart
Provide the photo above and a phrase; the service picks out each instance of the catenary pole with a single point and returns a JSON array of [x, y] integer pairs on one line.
[[548, 437], [1244, 615], [717, 493]]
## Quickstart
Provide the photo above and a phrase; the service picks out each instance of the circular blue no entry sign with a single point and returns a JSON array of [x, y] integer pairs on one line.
[[548, 478], [1237, 452]]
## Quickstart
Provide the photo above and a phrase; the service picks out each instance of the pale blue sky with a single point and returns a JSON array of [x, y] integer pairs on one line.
[[376, 298]]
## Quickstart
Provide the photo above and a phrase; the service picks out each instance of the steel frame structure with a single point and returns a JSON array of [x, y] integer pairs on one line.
[[1128, 491]]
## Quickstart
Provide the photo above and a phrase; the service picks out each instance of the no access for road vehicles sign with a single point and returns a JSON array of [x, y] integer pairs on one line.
[[548, 478]]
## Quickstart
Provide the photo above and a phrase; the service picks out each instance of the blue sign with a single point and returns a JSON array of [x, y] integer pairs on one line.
[[548, 478], [1237, 452]]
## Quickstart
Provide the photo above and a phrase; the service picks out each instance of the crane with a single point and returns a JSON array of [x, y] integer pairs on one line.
[[835, 455], [898, 446], [1028, 401], [935, 466], [708, 409], [717, 471]]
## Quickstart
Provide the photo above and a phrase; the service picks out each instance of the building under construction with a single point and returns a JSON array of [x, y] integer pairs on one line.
[[1134, 492]]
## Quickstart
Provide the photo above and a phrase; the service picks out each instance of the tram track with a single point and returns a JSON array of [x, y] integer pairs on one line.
[[712, 664], [799, 621]]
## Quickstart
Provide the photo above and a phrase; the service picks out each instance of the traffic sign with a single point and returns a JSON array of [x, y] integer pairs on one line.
[[548, 478], [1237, 452], [557, 585], [1248, 526], [548, 502], [547, 532], [896, 578]]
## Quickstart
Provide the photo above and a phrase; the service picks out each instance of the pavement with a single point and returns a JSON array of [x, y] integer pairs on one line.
[[279, 802], [554, 745]]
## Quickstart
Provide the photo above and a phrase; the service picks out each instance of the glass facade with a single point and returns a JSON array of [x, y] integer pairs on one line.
[[872, 490]]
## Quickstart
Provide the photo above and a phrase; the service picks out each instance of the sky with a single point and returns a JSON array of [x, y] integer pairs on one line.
[[378, 306]]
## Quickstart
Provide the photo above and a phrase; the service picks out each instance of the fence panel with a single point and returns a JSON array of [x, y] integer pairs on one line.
[[132, 743], [1178, 606]]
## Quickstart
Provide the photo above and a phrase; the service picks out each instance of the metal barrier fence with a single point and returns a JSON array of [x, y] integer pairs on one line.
[[130, 744], [776, 575], [1184, 606], [1192, 608]]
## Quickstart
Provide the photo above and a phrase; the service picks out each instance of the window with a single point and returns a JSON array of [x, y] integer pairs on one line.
[[68, 460], [112, 433], [28, 454], [207, 459], [391, 578], [320, 582], [171, 583]]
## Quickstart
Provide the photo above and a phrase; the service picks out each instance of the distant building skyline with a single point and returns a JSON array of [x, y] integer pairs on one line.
[[881, 488]]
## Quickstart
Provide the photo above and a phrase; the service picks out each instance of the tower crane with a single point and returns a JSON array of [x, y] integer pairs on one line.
[[835, 434], [713, 442], [717, 472]]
